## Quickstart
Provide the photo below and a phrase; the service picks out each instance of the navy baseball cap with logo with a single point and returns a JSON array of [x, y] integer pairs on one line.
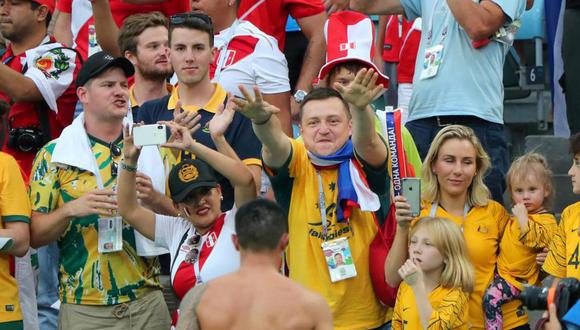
[[98, 63], [189, 175]]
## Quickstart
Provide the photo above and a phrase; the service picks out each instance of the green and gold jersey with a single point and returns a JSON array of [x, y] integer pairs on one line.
[[86, 276], [564, 257]]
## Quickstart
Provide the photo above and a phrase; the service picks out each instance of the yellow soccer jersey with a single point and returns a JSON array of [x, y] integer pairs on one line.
[[352, 301], [450, 308], [14, 206], [563, 259], [517, 251], [483, 228], [88, 277]]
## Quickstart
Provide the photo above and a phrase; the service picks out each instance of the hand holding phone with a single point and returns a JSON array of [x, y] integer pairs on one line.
[[147, 135], [411, 190]]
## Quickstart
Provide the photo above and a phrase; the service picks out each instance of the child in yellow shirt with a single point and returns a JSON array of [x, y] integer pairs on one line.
[[438, 278], [531, 227]]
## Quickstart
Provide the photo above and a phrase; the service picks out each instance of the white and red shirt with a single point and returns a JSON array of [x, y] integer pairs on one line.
[[271, 16], [217, 254], [53, 69], [408, 53], [83, 23], [247, 56]]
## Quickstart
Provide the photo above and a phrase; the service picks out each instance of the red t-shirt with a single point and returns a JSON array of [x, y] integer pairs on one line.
[[408, 54], [271, 15], [53, 72], [396, 29], [82, 22]]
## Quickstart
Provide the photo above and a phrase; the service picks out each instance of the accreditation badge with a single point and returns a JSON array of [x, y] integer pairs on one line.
[[339, 259], [431, 61], [110, 234]]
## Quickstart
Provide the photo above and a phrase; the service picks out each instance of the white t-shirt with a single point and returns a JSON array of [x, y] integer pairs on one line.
[[217, 255], [251, 58]]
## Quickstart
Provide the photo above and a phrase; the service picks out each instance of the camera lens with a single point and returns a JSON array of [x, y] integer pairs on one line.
[[535, 298], [160, 127], [26, 142]]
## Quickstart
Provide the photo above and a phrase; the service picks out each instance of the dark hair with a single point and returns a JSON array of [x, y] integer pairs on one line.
[[134, 25], [353, 66], [34, 5], [260, 224], [323, 93], [192, 23], [575, 144]]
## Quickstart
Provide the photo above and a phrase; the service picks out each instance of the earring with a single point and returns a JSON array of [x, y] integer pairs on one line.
[[222, 197]]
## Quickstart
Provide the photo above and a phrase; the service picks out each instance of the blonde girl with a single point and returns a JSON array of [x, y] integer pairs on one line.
[[529, 180], [438, 278], [453, 188]]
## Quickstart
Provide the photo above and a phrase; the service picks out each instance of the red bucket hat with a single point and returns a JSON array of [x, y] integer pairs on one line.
[[49, 3], [350, 36]]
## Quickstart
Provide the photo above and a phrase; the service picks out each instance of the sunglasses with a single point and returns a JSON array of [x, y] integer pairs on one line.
[[193, 254], [179, 19], [115, 152], [193, 196]]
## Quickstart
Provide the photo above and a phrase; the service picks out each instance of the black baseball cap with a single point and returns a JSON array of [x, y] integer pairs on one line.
[[189, 175], [99, 62]]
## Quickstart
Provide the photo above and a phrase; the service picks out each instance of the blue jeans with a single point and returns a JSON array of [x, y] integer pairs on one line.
[[491, 136], [47, 286]]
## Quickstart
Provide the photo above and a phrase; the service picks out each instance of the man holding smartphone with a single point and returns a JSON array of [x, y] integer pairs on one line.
[[103, 282]]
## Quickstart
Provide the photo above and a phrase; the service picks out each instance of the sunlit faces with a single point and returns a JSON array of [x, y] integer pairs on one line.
[[455, 166], [106, 96], [152, 58], [325, 125], [202, 207], [190, 55], [423, 253], [531, 192], [17, 18], [574, 174]]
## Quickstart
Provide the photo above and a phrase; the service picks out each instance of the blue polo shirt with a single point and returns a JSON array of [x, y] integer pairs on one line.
[[239, 135]]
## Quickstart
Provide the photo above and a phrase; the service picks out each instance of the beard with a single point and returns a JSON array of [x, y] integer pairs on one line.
[[151, 72]]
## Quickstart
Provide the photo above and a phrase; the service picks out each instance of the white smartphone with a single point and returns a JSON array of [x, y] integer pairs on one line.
[[148, 135], [411, 190]]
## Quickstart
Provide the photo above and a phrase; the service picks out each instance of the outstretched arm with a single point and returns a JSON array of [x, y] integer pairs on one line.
[[359, 94], [276, 145], [384, 7], [105, 27]]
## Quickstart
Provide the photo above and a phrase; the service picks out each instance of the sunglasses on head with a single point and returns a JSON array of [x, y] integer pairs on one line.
[[193, 242], [179, 19]]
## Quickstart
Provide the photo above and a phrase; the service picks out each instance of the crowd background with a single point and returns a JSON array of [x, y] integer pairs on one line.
[[55, 50]]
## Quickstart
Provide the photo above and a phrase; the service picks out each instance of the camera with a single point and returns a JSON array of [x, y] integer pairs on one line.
[[26, 139], [564, 295]]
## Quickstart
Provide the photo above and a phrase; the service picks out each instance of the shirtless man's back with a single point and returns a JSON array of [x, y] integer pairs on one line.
[[256, 296]]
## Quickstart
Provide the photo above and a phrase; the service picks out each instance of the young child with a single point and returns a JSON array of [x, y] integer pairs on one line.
[[438, 278], [531, 227]]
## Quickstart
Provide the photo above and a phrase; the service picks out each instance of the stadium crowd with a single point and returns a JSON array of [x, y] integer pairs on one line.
[[237, 164]]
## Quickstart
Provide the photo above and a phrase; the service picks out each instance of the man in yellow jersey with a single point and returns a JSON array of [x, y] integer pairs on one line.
[[14, 238], [322, 184], [104, 284], [563, 259]]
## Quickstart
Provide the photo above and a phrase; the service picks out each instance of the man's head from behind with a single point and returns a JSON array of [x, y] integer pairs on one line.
[[102, 86], [21, 18], [325, 121], [143, 39], [261, 226], [191, 46]]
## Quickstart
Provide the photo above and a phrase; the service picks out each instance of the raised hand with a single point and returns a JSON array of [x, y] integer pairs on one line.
[[130, 150], [362, 90], [402, 212], [180, 136], [222, 118], [188, 119], [254, 107], [411, 273], [332, 6]]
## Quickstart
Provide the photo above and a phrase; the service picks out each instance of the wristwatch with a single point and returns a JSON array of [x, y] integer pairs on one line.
[[299, 95]]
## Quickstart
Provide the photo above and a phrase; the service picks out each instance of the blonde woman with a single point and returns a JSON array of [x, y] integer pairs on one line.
[[438, 278], [453, 188]]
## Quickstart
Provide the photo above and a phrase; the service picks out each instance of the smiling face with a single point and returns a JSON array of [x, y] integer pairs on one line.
[[424, 253], [152, 57], [325, 125], [202, 207], [455, 167], [106, 96], [191, 55]]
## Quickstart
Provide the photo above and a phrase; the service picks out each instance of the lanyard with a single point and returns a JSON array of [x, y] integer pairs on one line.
[[466, 209], [223, 50], [321, 203], [97, 173], [430, 25]]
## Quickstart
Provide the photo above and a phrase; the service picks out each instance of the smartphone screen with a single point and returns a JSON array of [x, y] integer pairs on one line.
[[411, 190]]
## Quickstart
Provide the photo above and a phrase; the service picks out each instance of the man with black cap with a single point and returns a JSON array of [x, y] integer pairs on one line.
[[103, 282], [36, 78]]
